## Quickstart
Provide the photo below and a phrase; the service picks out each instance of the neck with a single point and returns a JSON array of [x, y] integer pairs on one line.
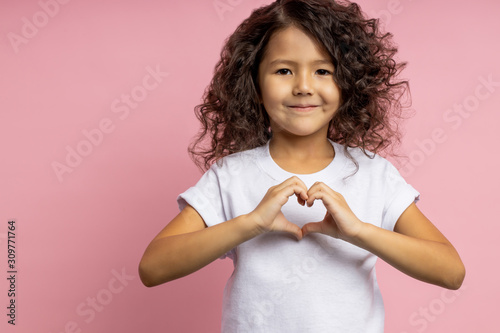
[[302, 154]]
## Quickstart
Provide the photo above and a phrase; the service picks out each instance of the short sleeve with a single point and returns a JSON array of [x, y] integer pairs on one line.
[[399, 195], [205, 197]]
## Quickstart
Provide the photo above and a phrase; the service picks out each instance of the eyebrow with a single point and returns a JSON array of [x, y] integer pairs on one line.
[[290, 62]]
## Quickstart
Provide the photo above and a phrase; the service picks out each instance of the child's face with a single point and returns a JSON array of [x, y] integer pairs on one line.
[[296, 84]]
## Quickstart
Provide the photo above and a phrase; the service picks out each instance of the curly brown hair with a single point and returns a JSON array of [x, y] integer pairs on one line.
[[234, 120]]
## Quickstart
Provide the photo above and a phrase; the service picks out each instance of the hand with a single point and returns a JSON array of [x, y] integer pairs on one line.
[[268, 215], [339, 222]]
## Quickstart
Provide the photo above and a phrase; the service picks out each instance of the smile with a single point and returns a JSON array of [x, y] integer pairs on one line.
[[303, 107]]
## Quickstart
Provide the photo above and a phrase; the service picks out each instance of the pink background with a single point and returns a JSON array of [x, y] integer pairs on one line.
[[66, 75]]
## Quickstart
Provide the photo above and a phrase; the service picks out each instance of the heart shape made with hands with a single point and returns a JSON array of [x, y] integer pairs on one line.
[[339, 221]]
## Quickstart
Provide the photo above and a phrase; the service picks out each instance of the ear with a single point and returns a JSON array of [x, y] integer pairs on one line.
[[261, 101]]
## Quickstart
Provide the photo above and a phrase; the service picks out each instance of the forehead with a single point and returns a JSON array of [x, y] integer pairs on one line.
[[292, 43]]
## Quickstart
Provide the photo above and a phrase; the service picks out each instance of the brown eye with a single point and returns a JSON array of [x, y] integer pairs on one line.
[[323, 72], [283, 71]]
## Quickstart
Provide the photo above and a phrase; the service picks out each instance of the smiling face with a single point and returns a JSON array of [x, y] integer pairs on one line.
[[296, 84]]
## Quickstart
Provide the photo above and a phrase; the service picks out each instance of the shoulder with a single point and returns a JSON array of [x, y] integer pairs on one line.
[[369, 163], [379, 174], [367, 167], [237, 162]]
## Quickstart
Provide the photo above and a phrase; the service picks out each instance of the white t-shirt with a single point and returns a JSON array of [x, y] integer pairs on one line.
[[319, 284]]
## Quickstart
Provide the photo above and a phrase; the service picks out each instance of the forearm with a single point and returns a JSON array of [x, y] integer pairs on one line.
[[429, 261], [172, 257]]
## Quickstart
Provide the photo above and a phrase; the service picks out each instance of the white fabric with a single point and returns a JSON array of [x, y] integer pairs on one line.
[[318, 284]]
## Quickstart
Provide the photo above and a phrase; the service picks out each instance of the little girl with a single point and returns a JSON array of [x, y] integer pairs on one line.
[[302, 100]]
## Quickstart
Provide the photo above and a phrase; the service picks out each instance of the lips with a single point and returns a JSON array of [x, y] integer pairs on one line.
[[303, 107]]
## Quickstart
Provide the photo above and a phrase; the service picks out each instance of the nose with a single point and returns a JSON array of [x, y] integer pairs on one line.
[[303, 85]]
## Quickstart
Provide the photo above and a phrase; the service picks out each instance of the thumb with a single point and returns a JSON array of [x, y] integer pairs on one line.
[[312, 227], [294, 230], [289, 227]]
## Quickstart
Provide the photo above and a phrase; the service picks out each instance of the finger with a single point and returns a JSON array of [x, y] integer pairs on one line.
[[290, 227], [311, 193], [297, 182], [316, 195], [312, 227], [320, 187], [320, 191], [296, 189], [294, 230]]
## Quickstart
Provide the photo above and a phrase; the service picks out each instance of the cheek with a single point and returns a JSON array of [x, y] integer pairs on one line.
[[270, 93], [334, 96]]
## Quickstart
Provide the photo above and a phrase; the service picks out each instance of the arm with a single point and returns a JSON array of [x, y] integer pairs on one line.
[[416, 247], [186, 244]]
